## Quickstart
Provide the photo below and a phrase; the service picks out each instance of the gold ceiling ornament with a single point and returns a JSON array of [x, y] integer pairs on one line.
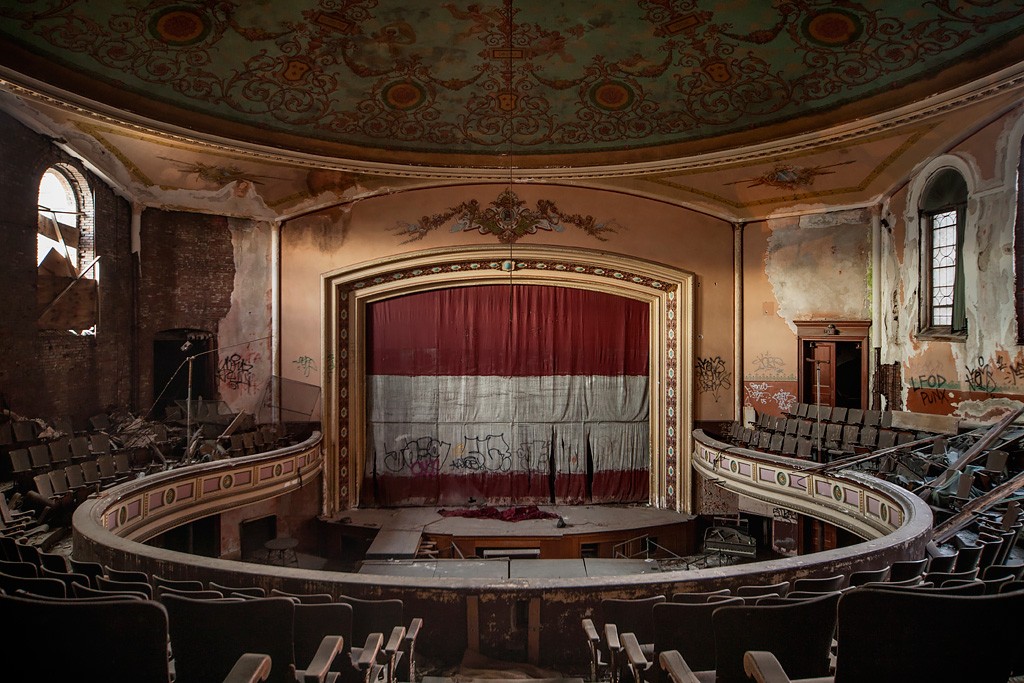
[[507, 218]]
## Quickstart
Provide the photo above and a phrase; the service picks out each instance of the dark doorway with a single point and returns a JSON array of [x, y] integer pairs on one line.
[[253, 535], [833, 363], [832, 376], [171, 351], [201, 537]]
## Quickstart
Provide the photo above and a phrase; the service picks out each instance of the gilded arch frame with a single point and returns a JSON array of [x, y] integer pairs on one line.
[[669, 292]]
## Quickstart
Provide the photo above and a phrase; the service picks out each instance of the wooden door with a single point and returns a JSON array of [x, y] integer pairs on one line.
[[819, 372]]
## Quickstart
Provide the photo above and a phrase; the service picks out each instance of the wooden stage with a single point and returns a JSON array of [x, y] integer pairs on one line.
[[418, 541]]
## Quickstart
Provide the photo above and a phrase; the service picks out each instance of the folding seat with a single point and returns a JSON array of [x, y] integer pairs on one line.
[[25, 431], [80, 449], [685, 628], [903, 569], [112, 640], [208, 636], [615, 616], [826, 584], [21, 467], [40, 455], [759, 589], [798, 633], [701, 596], [838, 415], [920, 644], [99, 444], [862, 576], [60, 452]]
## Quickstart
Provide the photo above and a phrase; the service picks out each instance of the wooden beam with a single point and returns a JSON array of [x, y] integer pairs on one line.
[[947, 529]]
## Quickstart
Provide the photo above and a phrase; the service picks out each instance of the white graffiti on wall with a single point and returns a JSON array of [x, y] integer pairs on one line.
[[761, 394]]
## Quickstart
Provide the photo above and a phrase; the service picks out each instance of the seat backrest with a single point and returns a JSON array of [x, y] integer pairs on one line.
[[799, 634], [313, 622], [21, 462], [823, 584], [18, 568], [80, 448], [208, 636], [862, 576], [902, 570], [60, 453], [40, 455], [126, 574], [80, 590], [377, 616], [106, 583], [305, 598], [178, 584], [39, 586], [699, 596], [251, 591], [112, 641], [686, 627], [921, 641], [754, 590]]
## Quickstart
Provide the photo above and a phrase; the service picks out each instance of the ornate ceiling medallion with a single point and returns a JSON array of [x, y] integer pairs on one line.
[[507, 218]]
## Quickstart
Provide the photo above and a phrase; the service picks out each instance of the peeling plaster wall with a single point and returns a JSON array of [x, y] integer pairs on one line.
[[370, 229], [981, 375], [813, 267], [244, 332]]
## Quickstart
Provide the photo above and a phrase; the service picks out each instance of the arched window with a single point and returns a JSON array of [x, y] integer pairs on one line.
[[67, 269], [943, 210]]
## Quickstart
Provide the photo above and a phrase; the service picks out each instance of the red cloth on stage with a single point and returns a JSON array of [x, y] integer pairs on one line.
[[517, 513]]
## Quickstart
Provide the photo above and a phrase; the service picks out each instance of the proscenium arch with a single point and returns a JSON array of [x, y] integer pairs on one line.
[[668, 291]]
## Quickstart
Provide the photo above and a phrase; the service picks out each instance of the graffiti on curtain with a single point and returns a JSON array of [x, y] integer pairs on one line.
[[489, 453], [712, 376], [534, 455], [420, 457]]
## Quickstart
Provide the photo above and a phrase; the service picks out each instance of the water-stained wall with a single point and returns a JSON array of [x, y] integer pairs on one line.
[[981, 374], [812, 267]]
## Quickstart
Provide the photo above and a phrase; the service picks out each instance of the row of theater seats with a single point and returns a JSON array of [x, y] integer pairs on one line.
[[207, 627], [705, 636], [801, 436]]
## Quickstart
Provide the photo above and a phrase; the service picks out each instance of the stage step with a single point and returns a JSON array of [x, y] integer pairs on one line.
[[394, 545]]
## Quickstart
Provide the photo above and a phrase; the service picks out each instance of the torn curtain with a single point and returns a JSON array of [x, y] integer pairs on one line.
[[507, 395]]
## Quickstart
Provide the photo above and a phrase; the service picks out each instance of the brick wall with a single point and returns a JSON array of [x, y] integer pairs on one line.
[[187, 277], [45, 373]]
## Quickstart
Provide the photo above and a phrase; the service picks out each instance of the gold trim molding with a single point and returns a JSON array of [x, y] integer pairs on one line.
[[668, 291]]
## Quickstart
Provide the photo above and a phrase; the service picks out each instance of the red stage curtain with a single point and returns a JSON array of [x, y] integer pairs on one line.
[[507, 395]]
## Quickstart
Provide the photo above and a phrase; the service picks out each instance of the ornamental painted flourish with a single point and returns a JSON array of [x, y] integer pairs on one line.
[[507, 218], [469, 78]]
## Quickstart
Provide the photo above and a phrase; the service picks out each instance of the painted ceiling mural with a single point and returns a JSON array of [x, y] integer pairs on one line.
[[396, 80]]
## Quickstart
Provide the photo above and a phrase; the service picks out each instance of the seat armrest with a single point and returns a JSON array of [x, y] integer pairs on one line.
[[249, 668], [394, 643], [368, 655], [413, 629], [611, 636], [634, 654], [677, 668], [591, 631], [320, 665], [763, 667]]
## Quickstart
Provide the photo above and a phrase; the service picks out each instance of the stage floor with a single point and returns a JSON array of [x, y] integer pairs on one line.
[[489, 545], [579, 519]]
